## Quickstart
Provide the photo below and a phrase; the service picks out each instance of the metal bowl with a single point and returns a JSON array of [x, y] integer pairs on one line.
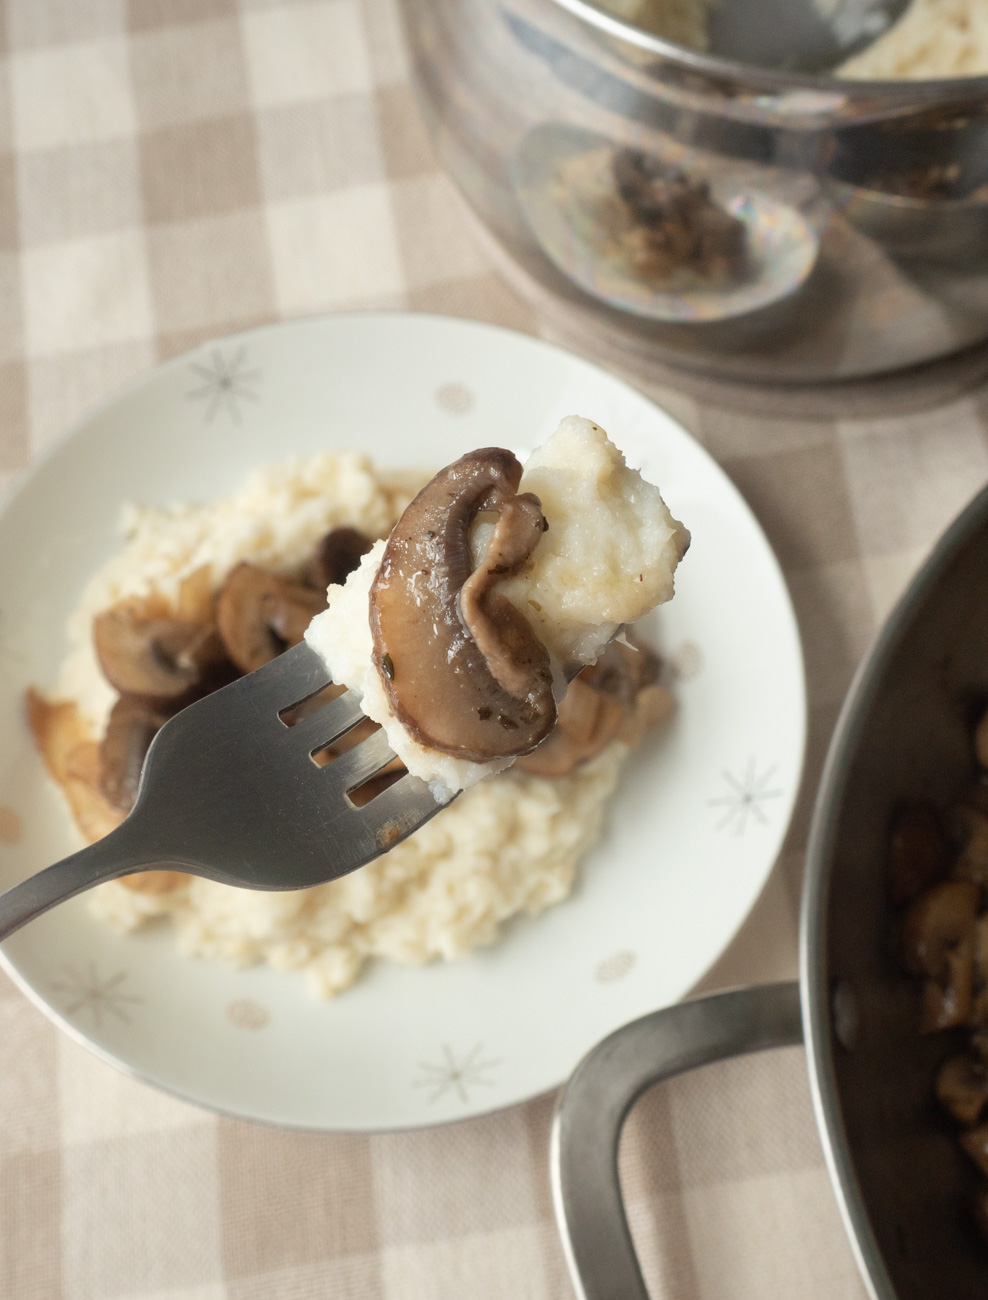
[[900, 1178], [505, 84]]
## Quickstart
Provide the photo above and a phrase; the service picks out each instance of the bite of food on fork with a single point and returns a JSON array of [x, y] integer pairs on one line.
[[445, 654]]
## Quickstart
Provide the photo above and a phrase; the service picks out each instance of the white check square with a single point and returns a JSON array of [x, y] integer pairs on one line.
[[85, 293], [306, 51], [334, 250], [72, 94]]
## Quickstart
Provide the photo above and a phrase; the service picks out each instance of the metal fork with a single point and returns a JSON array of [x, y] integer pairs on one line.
[[231, 791]]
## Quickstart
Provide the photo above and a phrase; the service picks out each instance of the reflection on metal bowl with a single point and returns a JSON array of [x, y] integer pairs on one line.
[[563, 179], [494, 74], [954, 231]]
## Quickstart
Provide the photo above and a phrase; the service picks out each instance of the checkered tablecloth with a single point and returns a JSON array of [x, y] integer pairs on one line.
[[171, 170]]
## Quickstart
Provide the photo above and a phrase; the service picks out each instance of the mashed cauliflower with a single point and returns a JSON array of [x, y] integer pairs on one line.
[[506, 847]]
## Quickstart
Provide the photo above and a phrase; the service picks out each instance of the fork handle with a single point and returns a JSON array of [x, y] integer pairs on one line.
[[117, 854]]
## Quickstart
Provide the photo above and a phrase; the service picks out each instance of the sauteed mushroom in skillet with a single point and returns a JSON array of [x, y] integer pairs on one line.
[[937, 879]]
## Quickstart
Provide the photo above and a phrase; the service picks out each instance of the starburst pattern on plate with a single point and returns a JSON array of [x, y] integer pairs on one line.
[[102, 996], [225, 384], [456, 1074], [745, 798]]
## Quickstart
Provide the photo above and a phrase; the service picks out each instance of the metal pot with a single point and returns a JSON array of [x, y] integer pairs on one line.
[[864, 202], [898, 1173]]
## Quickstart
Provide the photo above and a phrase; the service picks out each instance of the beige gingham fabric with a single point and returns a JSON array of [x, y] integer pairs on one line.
[[171, 170]]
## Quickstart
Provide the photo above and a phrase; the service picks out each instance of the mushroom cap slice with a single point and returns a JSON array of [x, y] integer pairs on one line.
[[260, 614], [975, 1143], [962, 1088], [936, 924], [338, 554], [72, 757], [918, 853], [462, 669], [617, 698], [157, 659], [132, 726]]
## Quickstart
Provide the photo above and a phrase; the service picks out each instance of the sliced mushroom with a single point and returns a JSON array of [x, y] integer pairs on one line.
[[158, 659], [462, 668], [962, 1088], [153, 882], [588, 721], [971, 826], [979, 1000], [617, 698], [918, 854], [500, 632], [195, 601], [260, 614], [979, 1209], [981, 740], [338, 554], [975, 1143], [132, 726], [936, 924], [94, 814], [654, 705], [938, 941], [72, 757]]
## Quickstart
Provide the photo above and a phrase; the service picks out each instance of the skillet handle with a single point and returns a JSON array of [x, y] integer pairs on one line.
[[594, 1104]]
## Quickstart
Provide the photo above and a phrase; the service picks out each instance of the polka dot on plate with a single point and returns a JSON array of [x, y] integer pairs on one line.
[[614, 967], [454, 399], [687, 660], [245, 1013], [11, 826]]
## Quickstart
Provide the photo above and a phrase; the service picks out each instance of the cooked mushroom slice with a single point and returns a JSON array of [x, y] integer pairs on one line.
[[971, 826], [338, 554], [938, 941], [154, 882], [158, 659], [918, 855], [131, 727], [979, 1003], [962, 1088], [981, 740], [260, 614], [654, 705], [975, 1143], [588, 721], [462, 668], [72, 758], [979, 1208], [195, 600], [618, 698]]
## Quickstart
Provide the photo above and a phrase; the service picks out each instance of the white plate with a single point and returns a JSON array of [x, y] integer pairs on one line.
[[691, 837]]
